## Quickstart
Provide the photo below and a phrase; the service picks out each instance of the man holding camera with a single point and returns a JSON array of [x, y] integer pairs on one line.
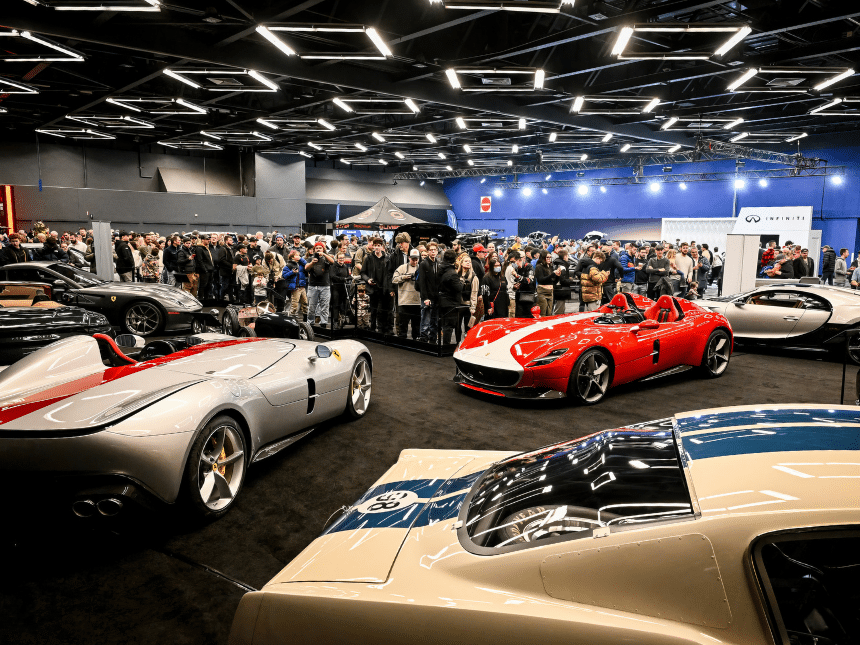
[[318, 270], [408, 299]]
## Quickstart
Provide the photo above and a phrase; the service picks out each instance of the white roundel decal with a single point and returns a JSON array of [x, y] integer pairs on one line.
[[388, 502]]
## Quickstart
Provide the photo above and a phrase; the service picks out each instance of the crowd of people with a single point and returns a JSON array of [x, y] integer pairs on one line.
[[429, 291]]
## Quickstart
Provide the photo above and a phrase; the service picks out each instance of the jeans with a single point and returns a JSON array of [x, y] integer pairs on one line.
[[318, 302], [405, 315], [827, 278], [429, 322], [558, 307], [641, 289]]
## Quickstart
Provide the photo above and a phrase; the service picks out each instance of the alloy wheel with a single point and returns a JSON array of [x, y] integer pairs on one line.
[[221, 468], [142, 319], [360, 387], [717, 354], [592, 378]]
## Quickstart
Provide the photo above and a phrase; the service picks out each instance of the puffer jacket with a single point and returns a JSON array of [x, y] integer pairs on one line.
[[828, 261], [629, 273], [592, 285], [294, 275], [185, 260]]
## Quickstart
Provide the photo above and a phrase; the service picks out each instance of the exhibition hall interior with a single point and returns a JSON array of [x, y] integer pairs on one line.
[[430, 321]]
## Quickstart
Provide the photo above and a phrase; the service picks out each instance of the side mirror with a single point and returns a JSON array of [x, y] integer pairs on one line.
[[645, 325], [322, 351], [536, 311], [58, 284], [130, 340], [739, 303]]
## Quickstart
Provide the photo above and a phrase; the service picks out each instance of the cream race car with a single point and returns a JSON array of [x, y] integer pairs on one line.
[[735, 525]]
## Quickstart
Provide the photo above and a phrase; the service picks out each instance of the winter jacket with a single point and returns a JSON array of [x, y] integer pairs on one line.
[[204, 260], [828, 261], [124, 257], [376, 269], [51, 252], [226, 261], [495, 295], [294, 275], [629, 272], [276, 268], [592, 285], [653, 269], [185, 260], [171, 257], [404, 278], [544, 275], [429, 273], [470, 290], [11, 255], [802, 268], [450, 287], [561, 290]]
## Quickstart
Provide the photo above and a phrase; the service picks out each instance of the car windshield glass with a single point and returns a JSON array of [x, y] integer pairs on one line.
[[83, 278], [612, 478], [731, 297]]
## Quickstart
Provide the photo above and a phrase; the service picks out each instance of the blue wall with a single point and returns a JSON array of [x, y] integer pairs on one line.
[[836, 208]]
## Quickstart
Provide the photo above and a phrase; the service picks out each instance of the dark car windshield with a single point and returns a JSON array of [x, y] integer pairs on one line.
[[617, 477], [82, 278]]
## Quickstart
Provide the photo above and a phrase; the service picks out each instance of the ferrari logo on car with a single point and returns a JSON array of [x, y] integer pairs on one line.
[[113, 298], [336, 354]]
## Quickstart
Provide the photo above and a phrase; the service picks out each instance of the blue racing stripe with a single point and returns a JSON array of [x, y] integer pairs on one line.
[[712, 435]]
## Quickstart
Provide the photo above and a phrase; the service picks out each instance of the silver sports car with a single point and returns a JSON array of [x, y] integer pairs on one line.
[[182, 423], [793, 315]]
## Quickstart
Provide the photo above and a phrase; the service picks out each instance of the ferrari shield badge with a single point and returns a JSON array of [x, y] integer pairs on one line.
[[336, 354], [113, 298]]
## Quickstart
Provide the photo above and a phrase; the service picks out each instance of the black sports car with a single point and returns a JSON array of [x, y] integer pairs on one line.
[[29, 320], [138, 308]]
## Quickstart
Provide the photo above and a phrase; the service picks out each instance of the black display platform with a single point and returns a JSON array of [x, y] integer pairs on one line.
[[392, 340]]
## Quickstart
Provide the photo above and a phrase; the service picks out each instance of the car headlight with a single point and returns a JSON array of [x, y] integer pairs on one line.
[[95, 320], [549, 358]]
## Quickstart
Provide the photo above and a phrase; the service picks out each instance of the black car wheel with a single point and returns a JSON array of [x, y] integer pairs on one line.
[[215, 470], [246, 332], [142, 318], [305, 331], [854, 349], [718, 350], [230, 321], [590, 377], [198, 326]]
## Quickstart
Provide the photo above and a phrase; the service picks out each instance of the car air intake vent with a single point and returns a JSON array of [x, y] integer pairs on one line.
[[487, 375]]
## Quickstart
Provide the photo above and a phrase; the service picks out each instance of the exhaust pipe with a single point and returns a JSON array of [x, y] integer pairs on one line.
[[109, 507], [84, 508]]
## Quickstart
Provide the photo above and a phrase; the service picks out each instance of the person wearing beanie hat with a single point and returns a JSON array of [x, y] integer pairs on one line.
[[398, 257]]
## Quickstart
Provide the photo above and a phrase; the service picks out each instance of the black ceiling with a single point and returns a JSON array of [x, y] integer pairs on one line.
[[213, 43]]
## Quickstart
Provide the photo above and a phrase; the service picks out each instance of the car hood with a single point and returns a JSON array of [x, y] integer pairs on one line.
[[158, 291], [424, 487]]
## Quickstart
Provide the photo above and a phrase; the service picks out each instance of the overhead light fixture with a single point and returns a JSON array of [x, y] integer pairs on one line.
[[497, 192], [378, 137], [738, 137], [672, 120], [441, 155], [326, 124], [654, 186], [78, 134], [625, 147], [483, 180], [796, 137], [577, 104], [747, 75], [153, 105], [607, 137], [346, 161], [414, 168], [71, 56], [825, 106], [835, 79], [377, 40], [8, 86], [533, 6], [111, 122], [470, 162], [182, 75], [342, 105], [547, 178], [236, 137], [448, 168], [452, 78], [745, 31], [210, 135], [191, 144], [740, 183], [314, 145], [522, 124], [651, 105], [515, 149], [552, 137], [467, 148], [545, 191], [262, 79], [460, 123], [383, 162], [730, 125], [837, 180], [182, 79], [583, 157], [582, 189], [673, 149], [527, 191], [603, 189], [510, 163], [540, 75], [622, 40], [150, 5], [422, 183], [277, 42], [682, 186], [360, 147], [399, 155], [268, 124], [305, 154], [430, 137], [412, 105], [762, 183]]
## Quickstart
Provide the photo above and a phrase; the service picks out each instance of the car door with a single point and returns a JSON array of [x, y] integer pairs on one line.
[[814, 312], [765, 315], [39, 275]]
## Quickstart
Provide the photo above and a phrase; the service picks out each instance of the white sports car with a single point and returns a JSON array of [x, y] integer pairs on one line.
[[734, 526]]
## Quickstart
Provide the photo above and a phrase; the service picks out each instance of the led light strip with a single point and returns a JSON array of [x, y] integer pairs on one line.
[[372, 34], [741, 31], [74, 56], [180, 76], [151, 5]]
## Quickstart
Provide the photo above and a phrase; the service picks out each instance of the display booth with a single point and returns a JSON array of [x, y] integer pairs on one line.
[[383, 218]]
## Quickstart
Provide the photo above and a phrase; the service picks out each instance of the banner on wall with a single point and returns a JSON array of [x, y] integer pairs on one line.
[[452, 220], [781, 223], [7, 209]]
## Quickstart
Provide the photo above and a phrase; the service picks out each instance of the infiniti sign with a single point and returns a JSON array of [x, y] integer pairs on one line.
[[753, 218]]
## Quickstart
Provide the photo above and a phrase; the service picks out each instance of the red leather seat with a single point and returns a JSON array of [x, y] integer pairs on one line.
[[620, 300], [664, 310]]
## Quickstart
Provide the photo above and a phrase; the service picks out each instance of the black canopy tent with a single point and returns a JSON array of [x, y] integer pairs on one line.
[[382, 216]]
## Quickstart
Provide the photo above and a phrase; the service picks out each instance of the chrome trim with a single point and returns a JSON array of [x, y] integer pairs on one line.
[[685, 465]]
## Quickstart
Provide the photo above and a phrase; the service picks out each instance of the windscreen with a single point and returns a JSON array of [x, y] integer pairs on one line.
[[617, 477], [83, 278]]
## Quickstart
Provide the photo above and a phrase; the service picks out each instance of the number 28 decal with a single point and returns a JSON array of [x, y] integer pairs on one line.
[[388, 502]]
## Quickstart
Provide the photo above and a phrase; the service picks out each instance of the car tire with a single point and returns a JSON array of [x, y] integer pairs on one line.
[[198, 326], [142, 318], [305, 331], [854, 350], [590, 377], [246, 332], [213, 476], [230, 321], [358, 392], [718, 351]]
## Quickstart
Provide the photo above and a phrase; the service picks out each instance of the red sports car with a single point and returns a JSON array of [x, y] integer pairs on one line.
[[582, 355]]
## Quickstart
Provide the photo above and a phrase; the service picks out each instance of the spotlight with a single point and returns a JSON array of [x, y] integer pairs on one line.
[[547, 178], [527, 192], [544, 191], [740, 183], [483, 180], [762, 183], [422, 183], [655, 186], [683, 186], [582, 190], [603, 189], [837, 180], [497, 193]]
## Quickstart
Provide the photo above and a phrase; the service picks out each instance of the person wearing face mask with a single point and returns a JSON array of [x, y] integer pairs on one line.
[[494, 291], [340, 275], [408, 298]]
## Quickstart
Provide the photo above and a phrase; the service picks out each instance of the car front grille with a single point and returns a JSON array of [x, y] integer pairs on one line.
[[487, 375]]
